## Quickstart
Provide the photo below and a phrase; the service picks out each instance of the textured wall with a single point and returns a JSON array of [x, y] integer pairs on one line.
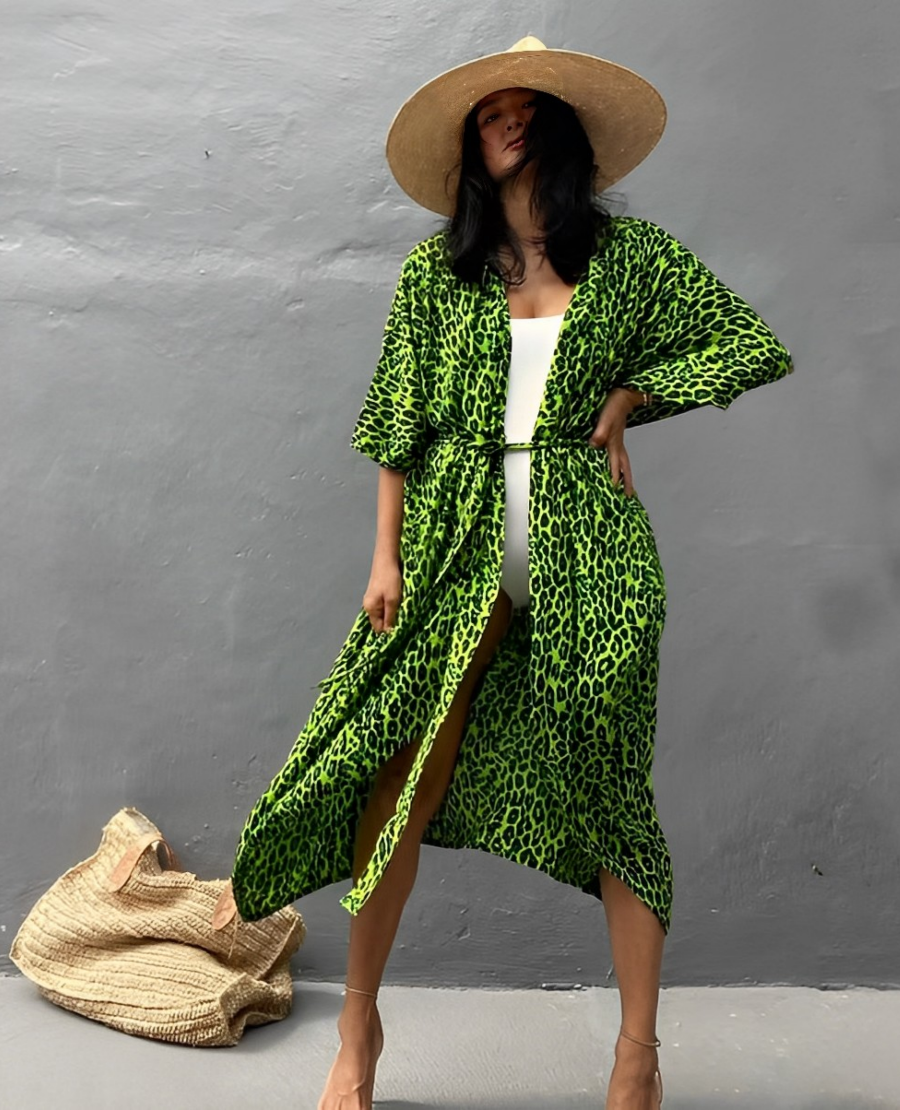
[[199, 242]]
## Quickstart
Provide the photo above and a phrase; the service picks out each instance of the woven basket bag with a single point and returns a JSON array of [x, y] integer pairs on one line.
[[148, 950]]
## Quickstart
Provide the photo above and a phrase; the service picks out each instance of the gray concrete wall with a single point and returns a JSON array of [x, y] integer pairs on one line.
[[199, 241]]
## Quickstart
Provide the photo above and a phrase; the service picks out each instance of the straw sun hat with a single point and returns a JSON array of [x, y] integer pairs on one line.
[[622, 113]]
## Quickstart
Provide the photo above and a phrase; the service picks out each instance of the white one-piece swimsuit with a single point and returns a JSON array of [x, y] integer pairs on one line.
[[533, 344]]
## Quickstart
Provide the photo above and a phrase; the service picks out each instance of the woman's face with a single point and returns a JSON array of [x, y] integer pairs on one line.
[[503, 119]]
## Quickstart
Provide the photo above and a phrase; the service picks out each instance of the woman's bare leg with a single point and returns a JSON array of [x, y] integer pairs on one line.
[[636, 939], [373, 929]]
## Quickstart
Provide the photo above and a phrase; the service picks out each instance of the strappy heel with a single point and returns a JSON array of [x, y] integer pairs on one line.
[[368, 1085], [371, 1079], [356, 990], [655, 1043]]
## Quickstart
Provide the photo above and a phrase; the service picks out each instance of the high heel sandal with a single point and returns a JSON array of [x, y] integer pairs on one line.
[[370, 1078], [655, 1043], [368, 1085], [356, 990]]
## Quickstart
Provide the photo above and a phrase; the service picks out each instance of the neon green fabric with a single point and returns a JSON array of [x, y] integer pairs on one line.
[[555, 765]]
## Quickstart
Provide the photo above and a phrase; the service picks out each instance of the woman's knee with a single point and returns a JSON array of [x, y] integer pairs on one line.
[[393, 773]]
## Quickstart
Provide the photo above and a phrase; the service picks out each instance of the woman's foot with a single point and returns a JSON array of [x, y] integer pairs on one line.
[[351, 1081], [633, 1084]]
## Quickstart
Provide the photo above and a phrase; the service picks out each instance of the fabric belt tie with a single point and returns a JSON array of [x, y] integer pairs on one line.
[[497, 447]]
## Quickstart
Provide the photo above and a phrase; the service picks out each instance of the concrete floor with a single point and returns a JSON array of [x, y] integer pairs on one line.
[[759, 1048]]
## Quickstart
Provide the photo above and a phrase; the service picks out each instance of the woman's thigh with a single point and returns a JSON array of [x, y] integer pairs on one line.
[[441, 759]]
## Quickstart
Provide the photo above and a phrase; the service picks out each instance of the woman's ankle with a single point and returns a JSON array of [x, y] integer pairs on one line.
[[357, 1015]]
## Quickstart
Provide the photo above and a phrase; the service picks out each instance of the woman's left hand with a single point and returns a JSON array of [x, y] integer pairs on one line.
[[610, 433]]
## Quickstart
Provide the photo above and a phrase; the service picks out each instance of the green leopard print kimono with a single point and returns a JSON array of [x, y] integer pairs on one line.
[[555, 765]]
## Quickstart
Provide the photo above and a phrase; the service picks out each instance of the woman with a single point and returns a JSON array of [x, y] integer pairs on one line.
[[498, 687]]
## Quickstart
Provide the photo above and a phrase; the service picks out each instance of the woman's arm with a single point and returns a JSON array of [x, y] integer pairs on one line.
[[390, 514], [609, 432], [693, 341], [383, 593], [392, 426]]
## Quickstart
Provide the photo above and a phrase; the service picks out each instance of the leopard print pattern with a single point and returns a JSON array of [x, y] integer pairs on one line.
[[555, 765]]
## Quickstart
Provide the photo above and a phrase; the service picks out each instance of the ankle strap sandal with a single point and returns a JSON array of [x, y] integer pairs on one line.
[[655, 1043], [356, 990]]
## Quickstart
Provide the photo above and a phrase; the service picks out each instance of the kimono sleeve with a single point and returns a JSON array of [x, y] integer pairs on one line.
[[392, 427], [696, 342]]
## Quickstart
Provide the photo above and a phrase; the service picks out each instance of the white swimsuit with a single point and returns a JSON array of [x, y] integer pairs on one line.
[[533, 344]]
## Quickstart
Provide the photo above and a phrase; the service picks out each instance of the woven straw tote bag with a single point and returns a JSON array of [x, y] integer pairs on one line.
[[148, 950]]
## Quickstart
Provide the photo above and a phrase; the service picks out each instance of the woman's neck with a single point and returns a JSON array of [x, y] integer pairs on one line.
[[540, 290], [520, 217], [516, 200]]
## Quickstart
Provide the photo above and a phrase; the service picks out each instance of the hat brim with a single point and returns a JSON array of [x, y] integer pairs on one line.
[[623, 114]]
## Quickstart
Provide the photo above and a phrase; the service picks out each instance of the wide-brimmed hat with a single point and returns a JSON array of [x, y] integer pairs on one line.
[[622, 113]]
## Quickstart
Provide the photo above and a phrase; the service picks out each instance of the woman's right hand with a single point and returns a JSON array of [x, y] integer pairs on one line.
[[382, 597]]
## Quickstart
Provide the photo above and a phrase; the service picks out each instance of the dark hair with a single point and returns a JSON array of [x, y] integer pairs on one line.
[[572, 215]]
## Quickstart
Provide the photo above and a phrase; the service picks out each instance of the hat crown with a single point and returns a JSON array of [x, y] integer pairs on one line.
[[528, 43]]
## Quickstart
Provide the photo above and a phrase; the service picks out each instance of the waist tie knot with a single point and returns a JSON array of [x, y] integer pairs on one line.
[[498, 447]]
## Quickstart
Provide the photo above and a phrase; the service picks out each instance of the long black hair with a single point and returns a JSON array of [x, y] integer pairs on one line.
[[572, 215]]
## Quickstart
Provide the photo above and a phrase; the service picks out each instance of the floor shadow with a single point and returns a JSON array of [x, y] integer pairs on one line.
[[671, 1101], [310, 1007], [593, 1100]]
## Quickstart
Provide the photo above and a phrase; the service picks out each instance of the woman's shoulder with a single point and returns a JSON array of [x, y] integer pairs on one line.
[[643, 244], [652, 238], [429, 259], [638, 229]]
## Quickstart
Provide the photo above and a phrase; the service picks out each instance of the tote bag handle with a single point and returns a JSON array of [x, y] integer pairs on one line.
[[225, 908], [121, 873]]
